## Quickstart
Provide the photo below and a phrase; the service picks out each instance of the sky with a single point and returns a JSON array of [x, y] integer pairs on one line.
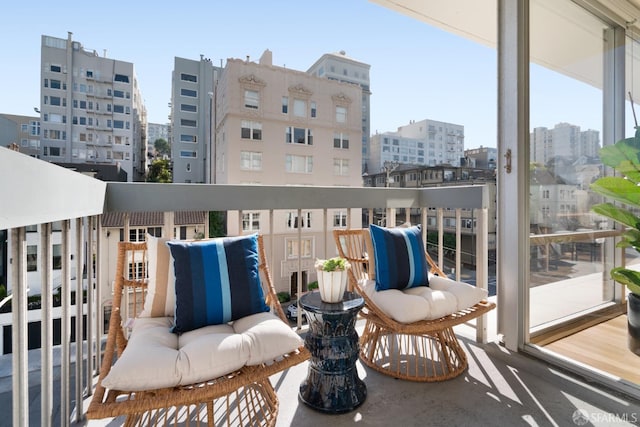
[[417, 71]]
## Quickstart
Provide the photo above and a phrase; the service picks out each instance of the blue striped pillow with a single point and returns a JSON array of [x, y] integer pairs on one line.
[[216, 281], [400, 262]]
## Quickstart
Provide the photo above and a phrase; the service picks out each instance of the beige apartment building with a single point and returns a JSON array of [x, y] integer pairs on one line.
[[279, 126]]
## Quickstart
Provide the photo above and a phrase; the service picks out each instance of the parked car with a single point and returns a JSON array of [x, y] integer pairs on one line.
[[292, 312]]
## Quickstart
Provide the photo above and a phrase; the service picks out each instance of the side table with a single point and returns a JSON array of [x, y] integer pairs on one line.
[[332, 384]]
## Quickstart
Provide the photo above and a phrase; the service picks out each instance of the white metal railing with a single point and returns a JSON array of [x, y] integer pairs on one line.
[[132, 197]]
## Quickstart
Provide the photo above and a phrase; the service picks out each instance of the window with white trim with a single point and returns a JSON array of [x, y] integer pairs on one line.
[[251, 99], [341, 167], [304, 221], [341, 140], [251, 130], [137, 234], [341, 114], [292, 248], [285, 104], [250, 221], [294, 135], [299, 164], [299, 108], [340, 219], [314, 110], [251, 160]]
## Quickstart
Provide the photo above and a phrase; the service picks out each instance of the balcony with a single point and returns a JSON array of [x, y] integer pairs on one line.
[[46, 386]]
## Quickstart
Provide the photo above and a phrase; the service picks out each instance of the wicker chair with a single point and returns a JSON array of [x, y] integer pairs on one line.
[[243, 397], [426, 350]]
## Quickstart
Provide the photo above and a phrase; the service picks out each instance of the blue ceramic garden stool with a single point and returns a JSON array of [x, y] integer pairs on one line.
[[332, 384]]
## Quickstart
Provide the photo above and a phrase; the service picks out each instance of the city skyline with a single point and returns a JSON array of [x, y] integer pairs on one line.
[[417, 71]]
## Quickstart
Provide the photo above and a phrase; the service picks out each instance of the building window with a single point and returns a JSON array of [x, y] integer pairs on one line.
[[137, 234], [285, 104], [57, 256], [304, 221], [299, 108], [251, 221], [118, 108], [341, 114], [188, 154], [32, 258], [189, 108], [295, 135], [251, 99], [136, 270], [188, 78], [188, 123], [341, 140], [155, 231], [55, 69], [251, 160], [191, 139], [122, 78], [292, 248], [189, 92], [341, 167], [314, 110], [340, 219], [251, 130], [299, 164]]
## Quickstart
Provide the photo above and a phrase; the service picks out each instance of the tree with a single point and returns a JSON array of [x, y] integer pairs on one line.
[[159, 171], [217, 224], [162, 146]]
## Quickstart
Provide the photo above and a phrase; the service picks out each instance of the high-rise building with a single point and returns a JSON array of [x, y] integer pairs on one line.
[[563, 141], [338, 66], [279, 126], [192, 117], [91, 109], [481, 158]]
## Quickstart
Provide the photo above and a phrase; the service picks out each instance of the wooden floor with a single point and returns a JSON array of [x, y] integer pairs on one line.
[[604, 347]]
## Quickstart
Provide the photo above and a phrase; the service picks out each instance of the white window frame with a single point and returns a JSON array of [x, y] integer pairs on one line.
[[341, 141], [341, 114], [340, 219], [299, 107], [251, 160], [291, 247], [298, 164], [293, 222], [341, 167], [251, 221], [254, 128], [251, 99]]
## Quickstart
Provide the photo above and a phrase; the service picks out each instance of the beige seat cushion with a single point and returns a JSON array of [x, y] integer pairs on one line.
[[158, 358], [441, 298]]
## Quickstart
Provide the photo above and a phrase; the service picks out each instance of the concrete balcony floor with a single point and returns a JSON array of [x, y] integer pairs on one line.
[[500, 388]]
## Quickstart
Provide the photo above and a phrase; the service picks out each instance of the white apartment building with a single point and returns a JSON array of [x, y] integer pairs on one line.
[[424, 143], [91, 109], [192, 116], [156, 131], [340, 67], [391, 147], [564, 140], [279, 126], [21, 130]]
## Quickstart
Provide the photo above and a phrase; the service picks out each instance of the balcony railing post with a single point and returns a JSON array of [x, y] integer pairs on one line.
[[65, 325], [19, 327], [79, 299], [46, 327], [482, 267]]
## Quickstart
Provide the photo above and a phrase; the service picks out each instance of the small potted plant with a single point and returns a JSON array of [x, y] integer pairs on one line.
[[624, 157], [332, 278]]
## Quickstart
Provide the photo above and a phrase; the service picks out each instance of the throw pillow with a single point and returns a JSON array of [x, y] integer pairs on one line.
[[216, 281], [400, 262], [160, 300]]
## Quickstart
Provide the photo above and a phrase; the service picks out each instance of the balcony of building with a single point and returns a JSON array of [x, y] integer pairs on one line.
[[45, 386]]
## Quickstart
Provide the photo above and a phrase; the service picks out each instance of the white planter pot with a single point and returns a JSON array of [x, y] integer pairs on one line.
[[332, 285]]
